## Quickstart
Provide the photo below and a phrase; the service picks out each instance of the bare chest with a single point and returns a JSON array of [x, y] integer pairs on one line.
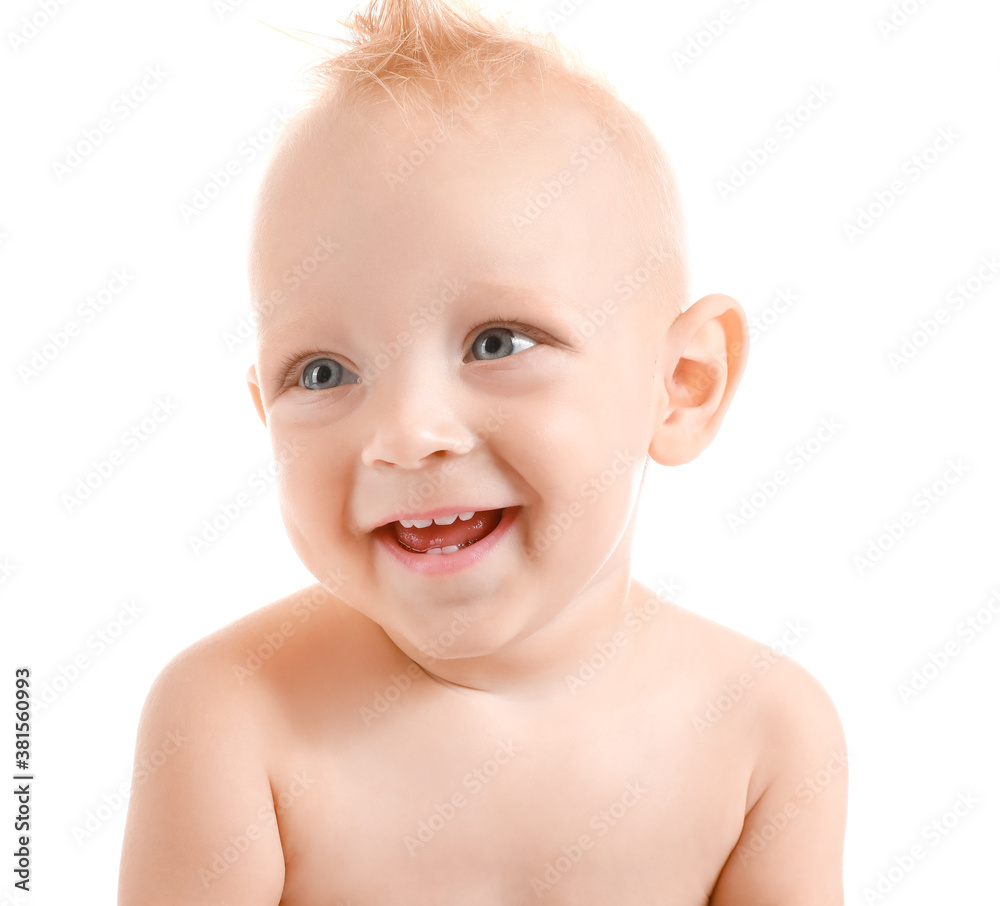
[[496, 813]]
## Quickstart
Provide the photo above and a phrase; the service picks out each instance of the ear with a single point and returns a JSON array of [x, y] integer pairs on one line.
[[704, 354], [254, 386]]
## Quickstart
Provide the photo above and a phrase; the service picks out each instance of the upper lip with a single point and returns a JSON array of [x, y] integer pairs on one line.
[[448, 510]]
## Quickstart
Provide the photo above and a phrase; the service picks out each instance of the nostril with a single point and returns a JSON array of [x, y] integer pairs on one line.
[[424, 441]]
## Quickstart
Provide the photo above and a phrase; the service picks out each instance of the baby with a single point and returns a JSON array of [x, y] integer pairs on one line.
[[468, 269]]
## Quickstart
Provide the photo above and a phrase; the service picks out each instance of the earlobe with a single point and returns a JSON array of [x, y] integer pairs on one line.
[[705, 353], [254, 384]]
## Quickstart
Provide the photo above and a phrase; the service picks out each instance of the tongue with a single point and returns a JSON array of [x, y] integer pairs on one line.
[[459, 532]]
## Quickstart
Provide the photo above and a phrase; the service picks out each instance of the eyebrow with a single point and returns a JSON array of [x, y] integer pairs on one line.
[[475, 290], [271, 330], [528, 293]]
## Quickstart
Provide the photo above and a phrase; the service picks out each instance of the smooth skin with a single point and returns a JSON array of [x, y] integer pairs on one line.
[[446, 738]]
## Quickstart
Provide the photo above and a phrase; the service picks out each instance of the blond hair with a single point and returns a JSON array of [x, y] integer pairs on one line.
[[437, 55]]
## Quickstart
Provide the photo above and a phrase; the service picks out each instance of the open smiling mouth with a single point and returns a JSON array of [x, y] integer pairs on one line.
[[446, 534]]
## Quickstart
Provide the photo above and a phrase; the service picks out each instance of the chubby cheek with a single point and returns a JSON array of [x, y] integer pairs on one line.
[[312, 491], [585, 460]]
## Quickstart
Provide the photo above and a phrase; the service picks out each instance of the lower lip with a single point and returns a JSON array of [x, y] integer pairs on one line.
[[435, 564]]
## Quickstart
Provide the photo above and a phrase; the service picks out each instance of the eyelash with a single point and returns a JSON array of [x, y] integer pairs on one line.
[[500, 321], [295, 361]]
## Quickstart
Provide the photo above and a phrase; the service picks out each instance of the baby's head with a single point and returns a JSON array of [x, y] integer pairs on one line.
[[468, 268]]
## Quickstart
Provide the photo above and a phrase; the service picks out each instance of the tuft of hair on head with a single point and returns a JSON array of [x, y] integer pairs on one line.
[[442, 56], [426, 55]]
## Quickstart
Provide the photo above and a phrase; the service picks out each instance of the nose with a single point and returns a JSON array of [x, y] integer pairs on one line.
[[416, 419]]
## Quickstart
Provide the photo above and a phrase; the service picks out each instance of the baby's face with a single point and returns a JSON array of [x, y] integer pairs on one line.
[[455, 354]]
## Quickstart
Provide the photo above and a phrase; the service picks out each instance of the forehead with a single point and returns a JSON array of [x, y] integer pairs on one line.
[[518, 188]]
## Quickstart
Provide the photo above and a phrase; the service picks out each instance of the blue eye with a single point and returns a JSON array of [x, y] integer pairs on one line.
[[500, 342], [324, 373]]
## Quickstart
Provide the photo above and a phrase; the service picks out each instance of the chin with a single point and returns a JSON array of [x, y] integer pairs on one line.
[[466, 631]]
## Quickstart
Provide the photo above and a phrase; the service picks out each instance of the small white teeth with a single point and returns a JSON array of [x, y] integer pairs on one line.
[[437, 520], [450, 549]]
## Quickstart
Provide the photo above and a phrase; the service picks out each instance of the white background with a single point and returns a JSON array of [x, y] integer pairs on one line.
[[68, 575]]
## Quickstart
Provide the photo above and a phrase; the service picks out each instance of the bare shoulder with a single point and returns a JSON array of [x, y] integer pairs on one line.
[[304, 636], [744, 675], [202, 825], [214, 673], [764, 704]]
